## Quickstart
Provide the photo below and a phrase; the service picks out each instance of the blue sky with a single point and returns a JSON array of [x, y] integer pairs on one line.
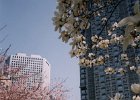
[[30, 30]]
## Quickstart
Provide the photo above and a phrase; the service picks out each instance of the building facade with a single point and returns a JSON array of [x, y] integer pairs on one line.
[[95, 84], [36, 68]]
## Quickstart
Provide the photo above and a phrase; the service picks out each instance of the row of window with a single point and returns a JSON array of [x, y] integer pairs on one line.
[[22, 64], [26, 61], [27, 58]]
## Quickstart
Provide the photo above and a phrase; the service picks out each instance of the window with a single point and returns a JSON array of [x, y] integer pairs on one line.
[[83, 71], [119, 82], [120, 88], [103, 97], [83, 81], [83, 76], [83, 91], [83, 97]]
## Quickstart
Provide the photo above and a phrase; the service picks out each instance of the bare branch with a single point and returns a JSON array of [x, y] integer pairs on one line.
[[110, 16]]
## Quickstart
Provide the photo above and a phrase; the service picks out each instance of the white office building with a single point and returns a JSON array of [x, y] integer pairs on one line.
[[35, 67]]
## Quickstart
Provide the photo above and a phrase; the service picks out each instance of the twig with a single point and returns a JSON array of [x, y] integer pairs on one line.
[[7, 50], [3, 27], [98, 9], [1, 30], [55, 87], [110, 17]]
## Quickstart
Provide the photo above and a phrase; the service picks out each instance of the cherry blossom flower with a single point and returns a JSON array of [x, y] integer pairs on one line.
[[133, 44], [72, 53], [117, 96], [81, 61], [133, 68], [79, 51], [84, 25], [103, 44], [135, 88], [100, 60], [68, 27], [106, 55], [94, 62], [96, 38], [137, 58], [109, 70], [137, 38], [85, 62], [115, 39], [58, 21], [115, 24], [77, 40], [91, 55], [65, 36], [104, 19], [122, 71], [94, 46], [136, 97], [124, 57]]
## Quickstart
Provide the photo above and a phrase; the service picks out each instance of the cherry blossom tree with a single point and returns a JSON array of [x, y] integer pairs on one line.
[[15, 88], [74, 20]]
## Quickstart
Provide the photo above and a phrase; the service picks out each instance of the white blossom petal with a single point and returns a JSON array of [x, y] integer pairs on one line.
[[135, 88]]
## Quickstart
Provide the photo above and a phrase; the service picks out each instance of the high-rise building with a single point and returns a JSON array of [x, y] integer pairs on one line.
[[95, 84], [35, 67]]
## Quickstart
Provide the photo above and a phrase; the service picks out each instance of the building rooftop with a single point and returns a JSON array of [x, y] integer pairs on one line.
[[32, 55]]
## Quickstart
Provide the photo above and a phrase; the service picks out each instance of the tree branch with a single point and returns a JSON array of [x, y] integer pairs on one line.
[[110, 17]]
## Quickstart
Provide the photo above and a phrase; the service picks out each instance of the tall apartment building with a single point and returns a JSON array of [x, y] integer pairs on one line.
[[95, 84], [34, 66]]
